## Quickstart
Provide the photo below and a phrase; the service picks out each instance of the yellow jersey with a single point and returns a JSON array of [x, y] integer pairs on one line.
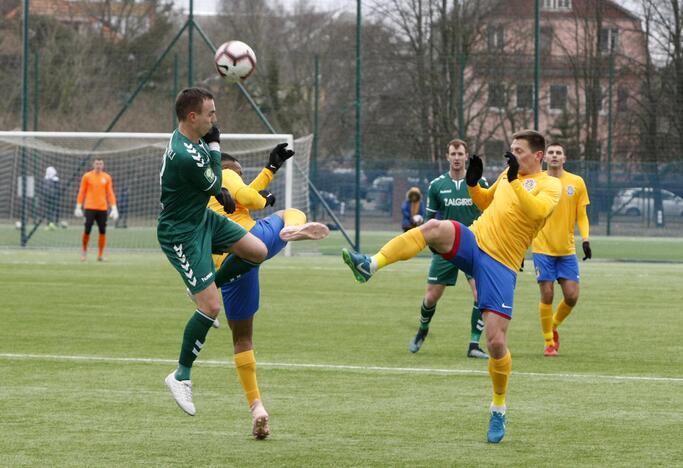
[[247, 197], [557, 236], [513, 213]]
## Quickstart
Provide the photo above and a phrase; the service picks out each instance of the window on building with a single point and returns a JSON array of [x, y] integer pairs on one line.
[[496, 37], [609, 40], [556, 5], [546, 39], [622, 100], [525, 96], [496, 96], [594, 94], [558, 97]]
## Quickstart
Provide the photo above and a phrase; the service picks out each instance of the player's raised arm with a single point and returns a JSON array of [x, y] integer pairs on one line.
[[482, 197]]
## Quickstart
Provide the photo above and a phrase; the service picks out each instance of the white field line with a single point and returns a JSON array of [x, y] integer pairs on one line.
[[340, 367]]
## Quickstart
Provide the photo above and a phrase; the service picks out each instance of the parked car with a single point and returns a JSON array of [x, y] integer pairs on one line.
[[637, 201]]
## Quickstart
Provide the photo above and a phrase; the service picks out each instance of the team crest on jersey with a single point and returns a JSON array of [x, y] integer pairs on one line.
[[529, 184], [570, 190], [208, 174]]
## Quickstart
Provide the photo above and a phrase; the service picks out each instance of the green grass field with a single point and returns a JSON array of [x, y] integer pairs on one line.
[[84, 349]]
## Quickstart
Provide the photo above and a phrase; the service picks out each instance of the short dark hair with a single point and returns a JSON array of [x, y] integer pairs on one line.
[[227, 157], [555, 143], [535, 140], [190, 100], [456, 143]]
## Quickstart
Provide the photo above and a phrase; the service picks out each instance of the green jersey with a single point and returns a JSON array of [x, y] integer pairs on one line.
[[190, 175], [449, 199]]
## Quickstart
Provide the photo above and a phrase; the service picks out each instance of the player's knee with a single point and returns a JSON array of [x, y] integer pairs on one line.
[[496, 345], [571, 299]]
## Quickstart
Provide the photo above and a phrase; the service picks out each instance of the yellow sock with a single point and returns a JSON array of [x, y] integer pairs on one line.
[[294, 217], [245, 363], [500, 370], [563, 311], [546, 313], [403, 247]]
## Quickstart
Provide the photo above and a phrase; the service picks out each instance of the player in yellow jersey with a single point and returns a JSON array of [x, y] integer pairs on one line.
[[514, 208], [554, 251], [241, 295]]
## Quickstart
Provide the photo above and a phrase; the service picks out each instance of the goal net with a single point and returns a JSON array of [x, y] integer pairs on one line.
[[40, 174]]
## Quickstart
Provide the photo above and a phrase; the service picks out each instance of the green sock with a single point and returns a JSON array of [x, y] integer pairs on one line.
[[232, 267], [426, 314], [193, 341], [477, 324]]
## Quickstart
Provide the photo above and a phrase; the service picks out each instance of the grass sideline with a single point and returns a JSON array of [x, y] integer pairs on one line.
[[612, 398]]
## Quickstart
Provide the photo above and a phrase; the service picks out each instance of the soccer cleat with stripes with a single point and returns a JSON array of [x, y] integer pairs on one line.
[[260, 429], [182, 393], [475, 351], [308, 231], [496, 427], [359, 264], [418, 339]]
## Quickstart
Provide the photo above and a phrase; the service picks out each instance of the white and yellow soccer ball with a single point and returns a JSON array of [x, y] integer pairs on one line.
[[417, 219], [235, 61]]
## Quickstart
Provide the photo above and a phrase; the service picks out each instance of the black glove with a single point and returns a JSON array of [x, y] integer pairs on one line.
[[475, 170], [587, 252], [278, 156], [270, 198], [213, 136], [513, 166], [226, 200]]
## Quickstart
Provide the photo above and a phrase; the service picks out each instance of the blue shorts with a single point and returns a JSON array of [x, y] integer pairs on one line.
[[551, 267], [241, 297], [495, 282]]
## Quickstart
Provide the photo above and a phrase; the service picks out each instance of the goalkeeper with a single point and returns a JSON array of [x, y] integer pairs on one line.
[[241, 295], [95, 195], [448, 198], [554, 250], [188, 231], [514, 208]]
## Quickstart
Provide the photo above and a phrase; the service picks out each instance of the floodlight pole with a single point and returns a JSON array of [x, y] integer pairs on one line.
[[190, 31], [537, 58], [24, 117]]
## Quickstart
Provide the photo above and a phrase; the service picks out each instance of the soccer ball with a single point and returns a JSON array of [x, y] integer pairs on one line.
[[417, 219], [235, 61], [17, 225]]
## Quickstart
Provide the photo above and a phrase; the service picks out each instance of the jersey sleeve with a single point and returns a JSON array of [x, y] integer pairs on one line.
[[432, 202], [201, 175], [111, 197], [538, 206], [262, 180], [582, 221], [583, 194], [243, 194], [82, 190], [482, 196]]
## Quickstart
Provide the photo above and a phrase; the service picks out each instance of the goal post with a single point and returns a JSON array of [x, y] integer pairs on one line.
[[40, 174]]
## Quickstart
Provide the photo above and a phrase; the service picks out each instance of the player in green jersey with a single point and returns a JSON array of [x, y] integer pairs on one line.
[[188, 232], [448, 198]]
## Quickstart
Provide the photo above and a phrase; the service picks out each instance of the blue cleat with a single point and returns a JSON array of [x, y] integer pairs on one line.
[[359, 264], [418, 339], [496, 427]]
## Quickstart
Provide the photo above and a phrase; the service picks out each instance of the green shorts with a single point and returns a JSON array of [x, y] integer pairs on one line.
[[192, 256], [443, 272]]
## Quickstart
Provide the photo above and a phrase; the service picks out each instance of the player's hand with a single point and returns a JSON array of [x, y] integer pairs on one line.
[[226, 200], [475, 169], [270, 198], [213, 136], [114, 213], [587, 252], [78, 212], [513, 166], [278, 156]]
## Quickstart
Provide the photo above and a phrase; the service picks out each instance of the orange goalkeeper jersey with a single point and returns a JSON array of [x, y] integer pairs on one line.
[[96, 192]]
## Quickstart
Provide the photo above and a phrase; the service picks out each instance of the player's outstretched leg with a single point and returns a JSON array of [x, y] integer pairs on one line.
[[182, 393], [496, 430], [359, 264], [296, 228]]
